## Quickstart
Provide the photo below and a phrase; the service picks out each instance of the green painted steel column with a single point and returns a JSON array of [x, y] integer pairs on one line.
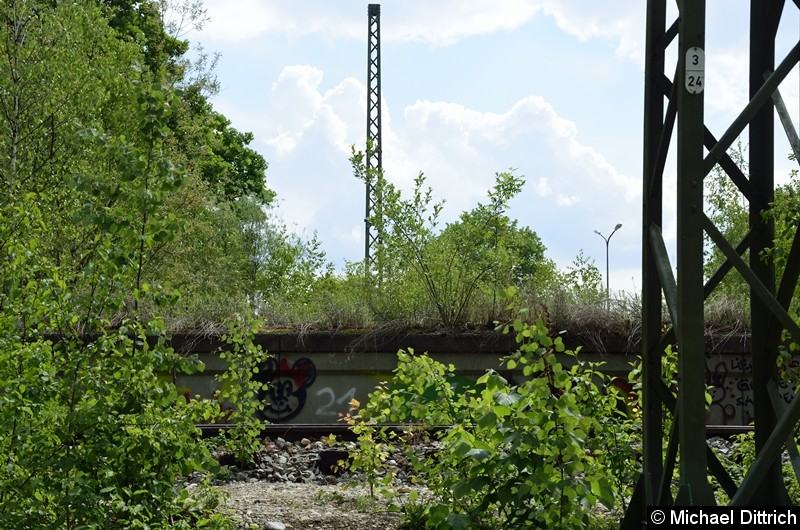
[[764, 19], [694, 488], [653, 421]]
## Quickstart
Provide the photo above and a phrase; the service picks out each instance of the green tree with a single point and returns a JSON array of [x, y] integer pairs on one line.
[[283, 265], [142, 23], [583, 281], [129, 208], [234, 256], [452, 270], [229, 167], [500, 252], [37, 47], [785, 212], [48, 104], [92, 434], [72, 131], [727, 208]]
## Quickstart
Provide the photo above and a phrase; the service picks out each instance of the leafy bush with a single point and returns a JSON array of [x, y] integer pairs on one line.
[[739, 460], [370, 452], [92, 435], [728, 209], [455, 272], [539, 453], [239, 392]]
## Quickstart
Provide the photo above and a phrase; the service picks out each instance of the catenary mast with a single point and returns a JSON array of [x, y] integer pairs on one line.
[[374, 152]]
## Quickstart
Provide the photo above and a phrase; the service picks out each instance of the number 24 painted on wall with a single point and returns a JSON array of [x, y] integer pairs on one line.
[[330, 409]]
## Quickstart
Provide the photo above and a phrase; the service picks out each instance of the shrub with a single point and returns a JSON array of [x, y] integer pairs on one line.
[[93, 436], [533, 454], [239, 392], [92, 433], [455, 272]]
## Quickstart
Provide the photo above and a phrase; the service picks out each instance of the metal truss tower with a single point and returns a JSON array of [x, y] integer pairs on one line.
[[374, 162], [674, 108]]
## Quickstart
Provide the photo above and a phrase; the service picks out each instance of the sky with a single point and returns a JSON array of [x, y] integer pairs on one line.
[[552, 89]]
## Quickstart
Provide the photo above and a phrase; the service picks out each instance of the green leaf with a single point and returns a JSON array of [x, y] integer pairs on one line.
[[458, 521], [504, 398], [461, 448], [487, 420], [461, 489], [478, 454]]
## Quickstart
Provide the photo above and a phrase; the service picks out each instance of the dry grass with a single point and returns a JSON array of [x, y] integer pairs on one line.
[[590, 320]]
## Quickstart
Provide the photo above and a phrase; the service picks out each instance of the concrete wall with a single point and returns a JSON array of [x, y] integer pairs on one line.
[[313, 377]]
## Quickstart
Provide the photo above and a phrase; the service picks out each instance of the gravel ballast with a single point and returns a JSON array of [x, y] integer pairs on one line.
[[288, 490]]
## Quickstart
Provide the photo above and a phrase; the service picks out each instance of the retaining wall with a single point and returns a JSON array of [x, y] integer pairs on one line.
[[314, 376]]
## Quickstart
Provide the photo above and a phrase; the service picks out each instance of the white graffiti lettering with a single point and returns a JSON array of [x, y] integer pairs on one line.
[[330, 408]]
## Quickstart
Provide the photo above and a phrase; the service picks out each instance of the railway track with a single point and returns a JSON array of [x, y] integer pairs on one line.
[[294, 432]]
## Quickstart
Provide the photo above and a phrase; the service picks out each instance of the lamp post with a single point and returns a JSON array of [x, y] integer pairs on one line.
[[607, 239]]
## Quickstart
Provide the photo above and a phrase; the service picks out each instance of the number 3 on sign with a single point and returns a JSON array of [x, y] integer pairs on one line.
[[695, 70]]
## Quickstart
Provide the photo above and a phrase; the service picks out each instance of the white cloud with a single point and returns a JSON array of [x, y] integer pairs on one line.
[[542, 188], [620, 21], [306, 133], [305, 121], [443, 23], [296, 210], [237, 21], [567, 200], [727, 83], [434, 23], [357, 234], [297, 107], [240, 20], [440, 23], [283, 143]]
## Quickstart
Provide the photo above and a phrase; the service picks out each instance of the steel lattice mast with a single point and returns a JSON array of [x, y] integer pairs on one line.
[[374, 161], [680, 101]]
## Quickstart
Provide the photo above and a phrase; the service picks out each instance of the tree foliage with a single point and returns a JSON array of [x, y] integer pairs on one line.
[[455, 271], [92, 434], [526, 455], [85, 86], [727, 208], [785, 212], [109, 155]]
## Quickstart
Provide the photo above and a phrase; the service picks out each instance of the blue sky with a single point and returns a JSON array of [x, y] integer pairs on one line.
[[552, 88]]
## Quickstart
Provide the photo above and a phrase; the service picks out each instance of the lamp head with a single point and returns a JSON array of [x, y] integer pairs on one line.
[[619, 225], [598, 232]]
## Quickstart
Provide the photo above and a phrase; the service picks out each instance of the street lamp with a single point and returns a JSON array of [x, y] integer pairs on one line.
[[607, 239]]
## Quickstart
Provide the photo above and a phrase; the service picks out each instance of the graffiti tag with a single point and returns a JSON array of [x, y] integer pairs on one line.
[[287, 388]]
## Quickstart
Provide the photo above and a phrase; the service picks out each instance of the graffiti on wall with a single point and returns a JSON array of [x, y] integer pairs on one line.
[[731, 390], [333, 406], [287, 388]]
